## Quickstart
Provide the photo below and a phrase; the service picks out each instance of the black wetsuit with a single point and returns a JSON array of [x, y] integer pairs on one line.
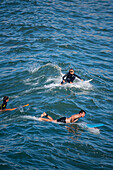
[[62, 119], [69, 77], [3, 106]]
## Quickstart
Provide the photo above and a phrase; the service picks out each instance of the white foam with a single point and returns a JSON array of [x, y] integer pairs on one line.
[[80, 84], [52, 85], [92, 130], [21, 109], [31, 118], [34, 68], [31, 90]]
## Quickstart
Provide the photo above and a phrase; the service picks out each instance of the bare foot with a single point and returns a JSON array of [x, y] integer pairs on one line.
[[43, 114]]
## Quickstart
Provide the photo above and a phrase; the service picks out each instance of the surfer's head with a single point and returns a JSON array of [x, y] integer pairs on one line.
[[82, 113], [71, 71], [5, 99]]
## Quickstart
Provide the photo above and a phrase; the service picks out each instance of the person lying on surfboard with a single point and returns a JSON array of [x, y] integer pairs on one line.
[[4, 104], [71, 119], [70, 77]]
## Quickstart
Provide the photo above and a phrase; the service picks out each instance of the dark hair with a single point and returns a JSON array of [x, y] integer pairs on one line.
[[5, 98], [81, 111], [71, 69]]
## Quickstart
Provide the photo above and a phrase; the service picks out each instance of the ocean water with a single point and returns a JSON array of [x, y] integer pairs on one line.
[[39, 42]]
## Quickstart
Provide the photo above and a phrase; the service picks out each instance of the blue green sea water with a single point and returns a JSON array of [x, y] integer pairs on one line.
[[40, 40]]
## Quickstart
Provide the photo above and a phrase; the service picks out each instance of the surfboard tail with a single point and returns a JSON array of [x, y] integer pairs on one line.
[[25, 105]]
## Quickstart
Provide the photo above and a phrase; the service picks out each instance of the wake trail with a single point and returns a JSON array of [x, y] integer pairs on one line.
[[83, 125]]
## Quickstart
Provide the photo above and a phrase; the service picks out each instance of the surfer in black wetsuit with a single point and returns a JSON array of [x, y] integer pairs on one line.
[[4, 104], [71, 119], [70, 77]]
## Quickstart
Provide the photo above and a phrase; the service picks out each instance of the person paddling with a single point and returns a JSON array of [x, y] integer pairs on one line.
[[71, 119], [4, 104], [70, 77]]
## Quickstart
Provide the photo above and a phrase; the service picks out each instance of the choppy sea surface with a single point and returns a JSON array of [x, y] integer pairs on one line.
[[40, 40]]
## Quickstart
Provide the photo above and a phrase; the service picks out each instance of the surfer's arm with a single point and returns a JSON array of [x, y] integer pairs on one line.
[[78, 77], [73, 118], [63, 79], [64, 76]]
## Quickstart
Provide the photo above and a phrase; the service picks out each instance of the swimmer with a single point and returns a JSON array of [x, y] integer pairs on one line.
[[71, 119], [70, 77], [4, 105]]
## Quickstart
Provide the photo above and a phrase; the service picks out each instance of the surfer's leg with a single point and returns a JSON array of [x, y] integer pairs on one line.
[[47, 120], [46, 115]]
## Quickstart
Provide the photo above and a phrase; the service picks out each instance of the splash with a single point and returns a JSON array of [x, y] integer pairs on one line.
[[49, 76], [31, 118], [86, 85], [92, 130], [95, 131], [34, 68], [44, 73]]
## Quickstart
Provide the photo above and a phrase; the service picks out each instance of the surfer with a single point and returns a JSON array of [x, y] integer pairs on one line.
[[71, 119], [4, 104], [70, 77]]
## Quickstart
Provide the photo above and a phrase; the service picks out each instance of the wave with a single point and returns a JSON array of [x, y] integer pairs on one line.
[[35, 67], [49, 76]]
